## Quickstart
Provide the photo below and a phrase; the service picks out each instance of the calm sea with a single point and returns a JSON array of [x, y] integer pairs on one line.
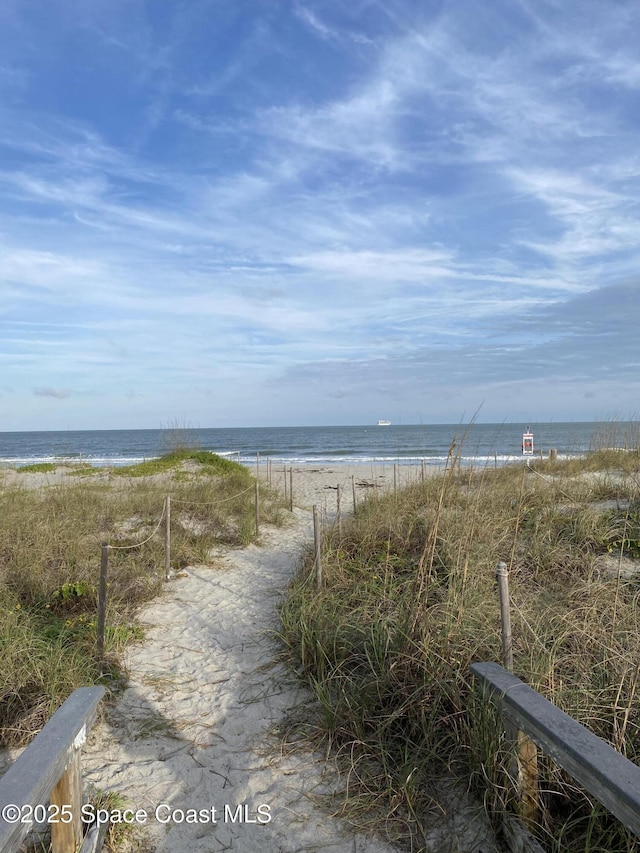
[[317, 445]]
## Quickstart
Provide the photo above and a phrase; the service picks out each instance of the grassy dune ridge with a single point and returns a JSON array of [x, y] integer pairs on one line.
[[410, 600], [50, 541]]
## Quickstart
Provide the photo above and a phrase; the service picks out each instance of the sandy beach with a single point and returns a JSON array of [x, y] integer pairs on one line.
[[314, 484]]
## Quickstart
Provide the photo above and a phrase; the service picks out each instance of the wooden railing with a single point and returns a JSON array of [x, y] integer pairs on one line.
[[604, 772], [46, 781]]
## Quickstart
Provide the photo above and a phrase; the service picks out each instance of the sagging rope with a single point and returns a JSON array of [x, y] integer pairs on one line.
[[144, 541], [213, 503], [184, 503]]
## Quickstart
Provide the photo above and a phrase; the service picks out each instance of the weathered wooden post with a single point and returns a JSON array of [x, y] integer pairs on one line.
[[553, 455], [339, 519], [502, 576], [257, 464], [257, 509], [291, 488], [167, 537], [526, 750], [67, 837], [284, 471], [395, 478], [317, 545], [422, 470], [102, 603]]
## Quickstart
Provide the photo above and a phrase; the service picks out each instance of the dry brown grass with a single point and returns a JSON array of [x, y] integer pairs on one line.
[[410, 600]]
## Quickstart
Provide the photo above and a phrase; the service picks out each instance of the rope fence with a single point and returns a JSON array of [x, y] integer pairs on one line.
[[214, 503], [165, 516], [144, 541]]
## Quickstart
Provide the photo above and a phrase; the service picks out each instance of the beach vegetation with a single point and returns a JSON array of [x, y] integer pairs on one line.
[[79, 468], [178, 435], [409, 600], [38, 468], [211, 464], [50, 551]]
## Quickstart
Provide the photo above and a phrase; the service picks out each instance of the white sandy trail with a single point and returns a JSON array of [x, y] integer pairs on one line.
[[196, 725]]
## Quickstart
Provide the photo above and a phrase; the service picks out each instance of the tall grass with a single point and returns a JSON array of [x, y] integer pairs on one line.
[[410, 600], [50, 559]]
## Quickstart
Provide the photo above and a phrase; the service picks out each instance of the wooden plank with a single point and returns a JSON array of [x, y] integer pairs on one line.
[[597, 766], [32, 777]]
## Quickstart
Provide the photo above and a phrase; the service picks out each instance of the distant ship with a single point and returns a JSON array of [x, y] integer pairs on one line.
[[384, 423]]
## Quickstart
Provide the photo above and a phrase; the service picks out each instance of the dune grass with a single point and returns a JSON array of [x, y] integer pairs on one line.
[[409, 601], [50, 542], [212, 464]]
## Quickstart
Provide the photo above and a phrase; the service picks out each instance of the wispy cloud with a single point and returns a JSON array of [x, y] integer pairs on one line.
[[368, 196], [57, 393]]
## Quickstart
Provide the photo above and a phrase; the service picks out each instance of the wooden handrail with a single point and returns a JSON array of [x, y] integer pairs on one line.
[[49, 769], [597, 766]]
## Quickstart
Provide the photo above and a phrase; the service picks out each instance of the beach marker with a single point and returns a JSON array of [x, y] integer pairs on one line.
[[527, 442]]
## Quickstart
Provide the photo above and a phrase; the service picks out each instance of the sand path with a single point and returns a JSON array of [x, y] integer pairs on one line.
[[197, 724]]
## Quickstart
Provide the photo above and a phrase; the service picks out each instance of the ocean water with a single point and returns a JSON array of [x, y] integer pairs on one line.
[[478, 443]]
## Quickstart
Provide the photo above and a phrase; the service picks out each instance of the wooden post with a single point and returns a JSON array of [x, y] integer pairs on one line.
[[291, 489], [502, 576], [257, 509], [284, 471], [553, 454], [527, 753], [257, 464], [317, 543], [422, 471], [338, 518], [526, 750], [395, 478], [67, 837], [167, 537], [353, 492], [102, 602]]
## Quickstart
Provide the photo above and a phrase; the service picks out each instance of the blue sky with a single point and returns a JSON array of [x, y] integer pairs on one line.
[[229, 213]]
